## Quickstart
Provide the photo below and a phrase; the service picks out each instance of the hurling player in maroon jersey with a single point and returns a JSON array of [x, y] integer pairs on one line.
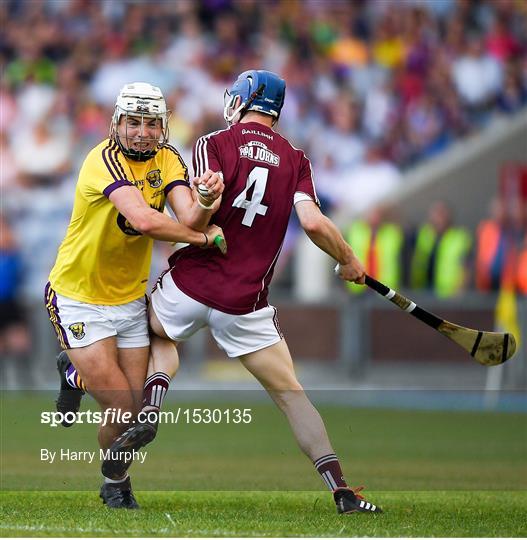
[[265, 177]]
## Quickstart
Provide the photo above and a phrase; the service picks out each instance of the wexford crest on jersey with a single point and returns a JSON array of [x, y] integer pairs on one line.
[[77, 329], [258, 151], [154, 178]]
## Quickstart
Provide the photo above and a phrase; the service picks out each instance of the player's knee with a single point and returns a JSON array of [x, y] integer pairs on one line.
[[120, 400], [286, 384], [286, 398]]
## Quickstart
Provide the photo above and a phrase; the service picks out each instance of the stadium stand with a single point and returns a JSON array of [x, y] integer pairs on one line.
[[374, 88]]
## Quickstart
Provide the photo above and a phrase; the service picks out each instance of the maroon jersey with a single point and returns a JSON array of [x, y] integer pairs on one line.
[[264, 175]]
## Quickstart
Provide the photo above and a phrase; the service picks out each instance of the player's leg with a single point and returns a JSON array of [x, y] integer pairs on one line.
[[130, 321], [273, 367], [89, 333], [133, 362], [163, 362], [69, 321], [256, 339], [163, 353], [98, 366], [71, 389], [173, 317]]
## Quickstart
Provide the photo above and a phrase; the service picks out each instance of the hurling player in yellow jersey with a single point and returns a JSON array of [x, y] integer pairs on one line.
[[96, 291]]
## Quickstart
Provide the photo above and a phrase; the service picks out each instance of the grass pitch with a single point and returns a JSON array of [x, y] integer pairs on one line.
[[454, 513], [433, 473]]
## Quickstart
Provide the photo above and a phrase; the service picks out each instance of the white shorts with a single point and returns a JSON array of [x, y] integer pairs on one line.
[[182, 316], [78, 324]]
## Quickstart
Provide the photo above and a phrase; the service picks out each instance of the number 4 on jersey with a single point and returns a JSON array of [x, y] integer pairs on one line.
[[258, 177]]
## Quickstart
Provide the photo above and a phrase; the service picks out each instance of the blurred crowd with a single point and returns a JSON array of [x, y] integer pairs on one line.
[[443, 258], [373, 87]]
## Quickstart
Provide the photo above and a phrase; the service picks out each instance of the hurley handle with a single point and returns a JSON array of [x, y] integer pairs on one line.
[[221, 244]]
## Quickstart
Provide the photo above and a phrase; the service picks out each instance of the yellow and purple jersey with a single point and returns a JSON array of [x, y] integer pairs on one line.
[[102, 259]]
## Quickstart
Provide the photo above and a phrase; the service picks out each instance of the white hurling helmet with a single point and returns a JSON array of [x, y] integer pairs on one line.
[[140, 99]]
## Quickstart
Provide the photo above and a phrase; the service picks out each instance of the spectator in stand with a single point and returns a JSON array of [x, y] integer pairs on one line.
[[8, 106], [188, 46], [30, 64], [521, 274], [500, 42], [15, 342], [375, 178], [10, 172], [378, 244], [389, 49], [499, 241], [456, 117], [364, 78], [512, 96], [49, 143], [348, 50], [425, 126], [454, 38], [341, 138], [440, 252], [380, 110], [477, 75]]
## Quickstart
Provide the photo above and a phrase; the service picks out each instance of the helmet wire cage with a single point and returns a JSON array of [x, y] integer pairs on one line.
[[138, 104]]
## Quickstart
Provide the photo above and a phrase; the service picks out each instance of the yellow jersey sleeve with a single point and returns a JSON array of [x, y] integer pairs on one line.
[[176, 171], [103, 171]]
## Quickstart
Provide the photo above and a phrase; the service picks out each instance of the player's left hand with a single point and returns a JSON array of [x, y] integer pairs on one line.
[[209, 186], [352, 271]]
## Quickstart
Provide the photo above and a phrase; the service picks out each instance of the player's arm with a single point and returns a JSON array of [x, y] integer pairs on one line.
[[192, 208], [324, 233], [130, 203], [205, 160]]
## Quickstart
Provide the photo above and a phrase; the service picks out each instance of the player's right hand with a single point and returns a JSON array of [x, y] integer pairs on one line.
[[209, 186], [213, 231]]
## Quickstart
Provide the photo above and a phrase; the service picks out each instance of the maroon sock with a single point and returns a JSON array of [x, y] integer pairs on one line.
[[329, 468], [156, 387]]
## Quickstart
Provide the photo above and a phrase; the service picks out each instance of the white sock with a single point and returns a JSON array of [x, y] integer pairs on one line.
[[111, 481]]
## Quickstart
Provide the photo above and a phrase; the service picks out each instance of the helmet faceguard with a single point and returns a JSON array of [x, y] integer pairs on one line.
[[141, 102], [258, 90]]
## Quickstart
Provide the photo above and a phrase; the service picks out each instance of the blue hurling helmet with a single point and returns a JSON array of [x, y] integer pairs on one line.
[[259, 90]]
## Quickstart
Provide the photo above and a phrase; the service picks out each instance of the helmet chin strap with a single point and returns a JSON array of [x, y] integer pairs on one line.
[[135, 155], [230, 117]]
